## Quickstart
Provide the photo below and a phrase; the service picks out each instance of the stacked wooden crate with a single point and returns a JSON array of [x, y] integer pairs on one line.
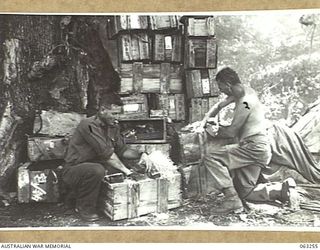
[[150, 66], [150, 62], [38, 179], [200, 63]]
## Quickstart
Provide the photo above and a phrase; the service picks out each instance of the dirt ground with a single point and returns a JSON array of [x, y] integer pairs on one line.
[[193, 213]]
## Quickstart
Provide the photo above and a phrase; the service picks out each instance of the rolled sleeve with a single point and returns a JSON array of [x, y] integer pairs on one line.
[[94, 136]]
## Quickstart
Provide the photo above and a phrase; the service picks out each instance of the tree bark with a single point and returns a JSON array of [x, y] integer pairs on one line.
[[49, 62]]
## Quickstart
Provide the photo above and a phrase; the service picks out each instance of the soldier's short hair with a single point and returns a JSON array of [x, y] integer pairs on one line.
[[228, 75]]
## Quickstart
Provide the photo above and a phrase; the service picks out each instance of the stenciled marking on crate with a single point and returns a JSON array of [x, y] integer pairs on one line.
[[38, 193]]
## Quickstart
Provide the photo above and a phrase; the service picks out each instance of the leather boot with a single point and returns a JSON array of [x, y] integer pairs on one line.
[[86, 215], [231, 204], [287, 186]]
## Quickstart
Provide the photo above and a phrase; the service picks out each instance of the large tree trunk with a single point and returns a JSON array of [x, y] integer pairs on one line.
[[49, 62]]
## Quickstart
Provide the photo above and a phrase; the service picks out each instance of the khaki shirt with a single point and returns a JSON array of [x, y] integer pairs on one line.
[[93, 141]]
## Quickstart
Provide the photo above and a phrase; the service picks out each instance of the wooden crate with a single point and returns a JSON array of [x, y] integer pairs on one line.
[[163, 22], [134, 47], [173, 106], [151, 78], [167, 48], [149, 148], [199, 107], [123, 23], [46, 148], [37, 186], [201, 83], [199, 26], [53, 123], [150, 130], [131, 199], [134, 107], [200, 53]]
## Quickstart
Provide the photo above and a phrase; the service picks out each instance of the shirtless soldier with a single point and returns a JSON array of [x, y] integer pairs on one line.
[[236, 168]]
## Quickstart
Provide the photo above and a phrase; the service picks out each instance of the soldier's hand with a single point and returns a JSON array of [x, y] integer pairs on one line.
[[145, 160]]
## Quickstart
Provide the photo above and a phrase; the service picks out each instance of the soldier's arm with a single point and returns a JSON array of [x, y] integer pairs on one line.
[[215, 109], [241, 115]]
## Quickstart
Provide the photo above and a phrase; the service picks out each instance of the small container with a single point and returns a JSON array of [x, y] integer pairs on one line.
[[114, 178]]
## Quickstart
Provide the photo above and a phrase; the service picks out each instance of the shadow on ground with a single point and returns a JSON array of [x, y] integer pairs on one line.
[[193, 214]]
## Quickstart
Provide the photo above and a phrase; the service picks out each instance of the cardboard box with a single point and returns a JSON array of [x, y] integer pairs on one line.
[[38, 185], [131, 199]]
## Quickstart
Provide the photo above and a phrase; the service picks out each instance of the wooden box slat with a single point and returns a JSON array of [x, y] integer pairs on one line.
[[200, 53], [167, 48], [164, 22], [200, 106], [173, 105], [199, 26], [134, 47], [124, 23], [150, 78], [201, 83], [132, 199], [134, 107]]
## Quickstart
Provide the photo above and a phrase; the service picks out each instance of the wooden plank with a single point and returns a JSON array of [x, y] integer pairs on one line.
[[214, 89], [144, 46], [200, 53], [121, 23], [180, 107], [137, 69], [200, 26], [133, 199], [134, 47], [197, 83], [176, 48], [162, 193], [124, 42], [211, 56], [163, 22], [164, 77], [158, 47]]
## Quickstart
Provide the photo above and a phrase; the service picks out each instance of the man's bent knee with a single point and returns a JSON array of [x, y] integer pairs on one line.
[[95, 169]]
